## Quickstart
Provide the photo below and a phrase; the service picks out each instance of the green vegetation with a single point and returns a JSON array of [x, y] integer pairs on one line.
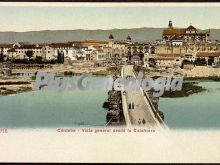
[[114, 70], [188, 88], [33, 77], [5, 91], [14, 83], [2, 56], [100, 73], [3, 88], [69, 73], [38, 60], [29, 53], [60, 58], [209, 78]]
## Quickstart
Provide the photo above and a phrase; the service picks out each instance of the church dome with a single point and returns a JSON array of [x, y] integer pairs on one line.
[[128, 38], [111, 36]]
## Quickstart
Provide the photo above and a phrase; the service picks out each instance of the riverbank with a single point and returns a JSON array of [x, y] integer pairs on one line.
[[209, 78], [191, 78], [198, 71], [74, 69], [107, 71], [14, 85]]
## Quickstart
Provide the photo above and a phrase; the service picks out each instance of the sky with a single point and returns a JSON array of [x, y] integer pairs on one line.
[[35, 18]]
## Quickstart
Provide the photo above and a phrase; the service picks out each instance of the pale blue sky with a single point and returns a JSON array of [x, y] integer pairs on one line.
[[67, 18]]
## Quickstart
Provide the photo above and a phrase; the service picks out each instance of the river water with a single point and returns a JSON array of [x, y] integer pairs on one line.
[[46, 108], [197, 111]]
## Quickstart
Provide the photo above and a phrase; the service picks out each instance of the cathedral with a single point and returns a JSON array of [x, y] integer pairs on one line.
[[189, 34]]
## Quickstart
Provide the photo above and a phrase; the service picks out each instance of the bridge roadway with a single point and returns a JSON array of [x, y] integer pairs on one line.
[[142, 109]]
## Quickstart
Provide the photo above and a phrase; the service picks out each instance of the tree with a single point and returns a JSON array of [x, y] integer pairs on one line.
[[152, 62], [2, 57], [38, 60], [60, 57], [211, 60], [29, 53], [185, 62], [200, 62]]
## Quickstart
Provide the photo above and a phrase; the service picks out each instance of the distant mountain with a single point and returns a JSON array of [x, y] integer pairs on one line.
[[49, 36]]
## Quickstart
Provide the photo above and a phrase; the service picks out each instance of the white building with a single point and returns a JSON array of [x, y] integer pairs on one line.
[[48, 53], [21, 52], [176, 43], [65, 49], [189, 57], [4, 49], [167, 61]]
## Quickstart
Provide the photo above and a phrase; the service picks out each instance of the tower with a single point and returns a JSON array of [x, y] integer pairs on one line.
[[128, 39], [170, 26], [111, 37], [111, 40]]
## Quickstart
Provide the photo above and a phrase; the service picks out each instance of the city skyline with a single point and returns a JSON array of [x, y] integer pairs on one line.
[[37, 18]]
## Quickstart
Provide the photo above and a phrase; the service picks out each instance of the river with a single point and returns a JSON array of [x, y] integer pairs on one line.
[[47, 108], [197, 111]]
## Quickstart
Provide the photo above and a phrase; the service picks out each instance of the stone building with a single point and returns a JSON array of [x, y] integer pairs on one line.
[[117, 47], [189, 34], [137, 52]]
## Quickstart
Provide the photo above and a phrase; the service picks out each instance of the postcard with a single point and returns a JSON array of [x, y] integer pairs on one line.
[[109, 82]]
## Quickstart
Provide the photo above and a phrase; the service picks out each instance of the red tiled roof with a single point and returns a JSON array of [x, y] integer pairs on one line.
[[29, 47], [120, 42], [58, 45], [6, 45], [175, 31], [89, 42], [97, 48], [190, 27], [208, 54]]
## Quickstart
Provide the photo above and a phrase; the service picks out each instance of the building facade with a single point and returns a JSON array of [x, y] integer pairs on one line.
[[189, 34]]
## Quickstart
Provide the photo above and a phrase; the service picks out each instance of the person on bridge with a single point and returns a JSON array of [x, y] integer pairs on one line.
[[144, 122], [139, 121], [129, 106]]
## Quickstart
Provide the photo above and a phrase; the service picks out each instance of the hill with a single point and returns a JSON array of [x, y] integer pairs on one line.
[[49, 36]]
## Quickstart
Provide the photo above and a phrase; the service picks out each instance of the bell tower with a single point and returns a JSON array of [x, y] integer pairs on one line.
[[170, 26], [111, 40]]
